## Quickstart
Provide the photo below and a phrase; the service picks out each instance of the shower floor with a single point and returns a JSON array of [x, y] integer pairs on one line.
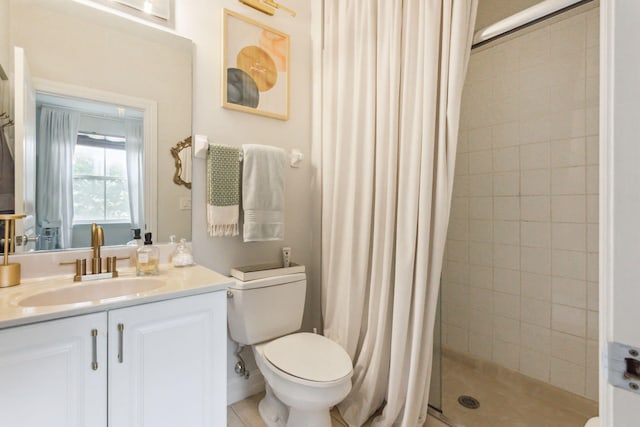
[[507, 398]]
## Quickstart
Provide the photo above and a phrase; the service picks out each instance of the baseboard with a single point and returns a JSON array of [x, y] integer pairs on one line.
[[239, 388]]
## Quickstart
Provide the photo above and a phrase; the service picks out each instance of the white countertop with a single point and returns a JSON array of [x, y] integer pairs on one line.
[[180, 282]]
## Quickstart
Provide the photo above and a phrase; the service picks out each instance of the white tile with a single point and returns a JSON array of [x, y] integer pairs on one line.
[[506, 159], [570, 264], [481, 276], [534, 129], [456, 315], [481, 299], [480, 162], [536, 286], [568, 208], [533, 101], [457, 251], [534, 48], [506, 232], [568, 180], [593, 30], [593, 61], [592, 97], [536, 338], [461, 186], [592, 209], [593, 296], [569, 236], [567, 124], [481, 346], [457, 339], [458, 229], [480, 207], [536, 234], [569, 292], [506, 329], [593, 150], [457, 272], [480, 253], [507, 281], [462, 164], [570, 152], [506, 256], [506, 305], [480, 322], [505, 86], [568, 347], [506, 184], [504, 110], [592, 325], [536, 260], [481, 185], [535, 208], [459, 207], [567, 95], [535, 156], [536, 312], [456, 293], [592, 267], [506, 354], [567, 376], [592, 238], [592, 179], [592, 354], [535, 364], [536, 182], [480, 230], [592, 118], [506, 207], [592, 380], [505, 134], [569, 320]]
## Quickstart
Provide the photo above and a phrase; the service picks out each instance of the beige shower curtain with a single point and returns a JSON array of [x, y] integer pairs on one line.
[[393, 72]]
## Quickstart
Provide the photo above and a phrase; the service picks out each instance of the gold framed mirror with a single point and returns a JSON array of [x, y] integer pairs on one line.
[[181, 153]]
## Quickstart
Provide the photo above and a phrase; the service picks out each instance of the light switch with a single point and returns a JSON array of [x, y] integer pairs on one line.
[[185, 203]]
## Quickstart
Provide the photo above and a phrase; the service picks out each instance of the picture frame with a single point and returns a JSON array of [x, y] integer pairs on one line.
[[255, 67]]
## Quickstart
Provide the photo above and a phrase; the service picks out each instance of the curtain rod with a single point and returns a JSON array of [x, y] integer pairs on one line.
[[525, 18]]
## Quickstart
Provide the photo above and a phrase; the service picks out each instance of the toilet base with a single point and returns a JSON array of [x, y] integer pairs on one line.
[[301, 418], [273, 412]]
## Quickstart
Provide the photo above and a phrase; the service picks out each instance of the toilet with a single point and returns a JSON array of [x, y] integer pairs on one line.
[[305, 374]]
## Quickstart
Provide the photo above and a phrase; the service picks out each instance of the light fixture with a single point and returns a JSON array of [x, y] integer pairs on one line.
[[148, 7], [267, 6]]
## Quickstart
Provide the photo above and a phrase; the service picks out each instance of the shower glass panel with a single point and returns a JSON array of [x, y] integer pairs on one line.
[[435, 390]]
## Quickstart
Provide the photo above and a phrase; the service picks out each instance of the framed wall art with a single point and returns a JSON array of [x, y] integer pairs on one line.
[[255, 67]]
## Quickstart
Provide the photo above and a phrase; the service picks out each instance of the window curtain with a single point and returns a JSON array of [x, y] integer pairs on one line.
[[134, 147], [57, 138], [393, 73]]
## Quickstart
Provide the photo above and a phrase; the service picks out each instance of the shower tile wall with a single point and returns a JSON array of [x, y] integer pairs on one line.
[[520, 280]]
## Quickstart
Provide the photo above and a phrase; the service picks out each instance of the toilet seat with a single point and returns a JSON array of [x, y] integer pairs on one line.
[[310, 357]]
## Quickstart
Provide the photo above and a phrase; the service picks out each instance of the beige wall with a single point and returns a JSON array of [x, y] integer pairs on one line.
[[201, 21], [72, 48], [520, 281]]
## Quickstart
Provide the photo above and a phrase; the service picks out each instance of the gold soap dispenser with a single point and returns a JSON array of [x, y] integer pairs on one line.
[[9, 273]]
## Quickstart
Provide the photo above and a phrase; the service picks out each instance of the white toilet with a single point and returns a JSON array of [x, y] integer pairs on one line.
[[306, 374]]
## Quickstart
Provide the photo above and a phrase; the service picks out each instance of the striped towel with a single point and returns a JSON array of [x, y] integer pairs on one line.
[[223, 190]]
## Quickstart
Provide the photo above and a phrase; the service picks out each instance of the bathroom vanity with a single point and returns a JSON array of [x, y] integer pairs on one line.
[[75, 354]]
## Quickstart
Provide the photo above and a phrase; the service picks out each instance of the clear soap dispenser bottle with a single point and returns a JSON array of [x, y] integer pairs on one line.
[[147, 258]]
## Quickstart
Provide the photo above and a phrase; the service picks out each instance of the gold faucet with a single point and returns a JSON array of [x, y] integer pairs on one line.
[[97, 240]]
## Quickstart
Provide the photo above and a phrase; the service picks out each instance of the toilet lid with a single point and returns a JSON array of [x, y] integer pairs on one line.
[[309, 356]]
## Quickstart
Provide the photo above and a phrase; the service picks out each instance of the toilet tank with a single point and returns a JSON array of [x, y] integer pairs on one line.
[[264, 309]]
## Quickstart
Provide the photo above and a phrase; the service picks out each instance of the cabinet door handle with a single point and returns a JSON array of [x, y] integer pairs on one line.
[[120, 343], [94, 349]]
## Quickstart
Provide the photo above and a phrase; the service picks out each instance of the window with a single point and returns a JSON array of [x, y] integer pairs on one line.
[[100, 190]]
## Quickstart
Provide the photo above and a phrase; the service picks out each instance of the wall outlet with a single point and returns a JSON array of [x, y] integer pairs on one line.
[[185, 203]]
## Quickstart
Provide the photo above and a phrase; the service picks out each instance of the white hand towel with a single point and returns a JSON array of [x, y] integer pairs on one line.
[[263, 193]]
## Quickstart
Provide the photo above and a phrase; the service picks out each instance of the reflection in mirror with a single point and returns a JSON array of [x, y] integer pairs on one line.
[[89, 170], [181, 153], [68, 43]]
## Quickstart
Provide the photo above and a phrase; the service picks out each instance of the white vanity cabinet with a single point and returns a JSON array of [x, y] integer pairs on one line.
[[54, 373], [158, 364]]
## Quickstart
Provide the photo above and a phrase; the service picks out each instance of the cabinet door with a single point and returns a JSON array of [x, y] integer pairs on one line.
[[165, 361], [54, 373]]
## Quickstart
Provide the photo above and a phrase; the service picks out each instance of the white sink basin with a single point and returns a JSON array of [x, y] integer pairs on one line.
[[99, 290]]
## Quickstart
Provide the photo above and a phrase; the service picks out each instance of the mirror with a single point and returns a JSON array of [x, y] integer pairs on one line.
[[71, 45], [182, 155]]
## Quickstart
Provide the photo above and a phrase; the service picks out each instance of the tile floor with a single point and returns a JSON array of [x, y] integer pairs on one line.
[[245, 414], [507, 399]]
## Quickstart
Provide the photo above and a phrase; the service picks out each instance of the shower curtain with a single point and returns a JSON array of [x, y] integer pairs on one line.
[[393, 73]]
